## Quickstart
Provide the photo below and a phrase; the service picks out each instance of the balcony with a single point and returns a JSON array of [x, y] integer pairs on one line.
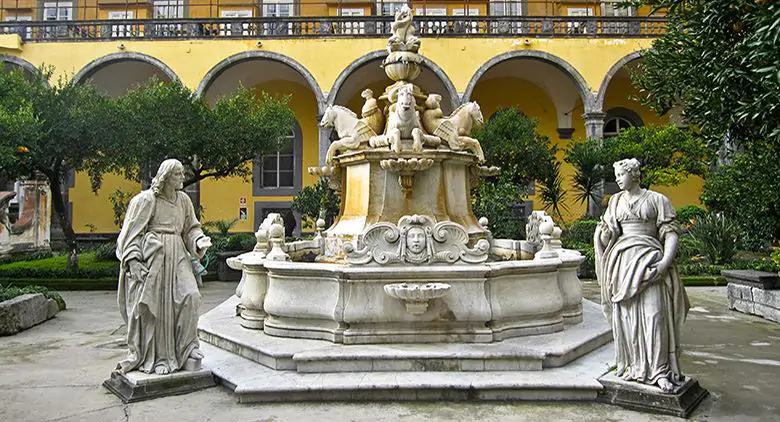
[[164, 19]]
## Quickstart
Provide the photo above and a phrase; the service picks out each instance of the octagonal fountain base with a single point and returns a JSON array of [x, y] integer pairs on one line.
[[262, 368]]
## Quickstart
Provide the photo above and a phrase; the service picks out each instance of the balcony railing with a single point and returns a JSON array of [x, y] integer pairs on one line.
[[333, 26]]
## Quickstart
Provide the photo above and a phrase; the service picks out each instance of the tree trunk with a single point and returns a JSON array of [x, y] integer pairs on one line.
[[61, 208]]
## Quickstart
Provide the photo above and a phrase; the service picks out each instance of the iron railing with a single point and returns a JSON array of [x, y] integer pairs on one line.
[[333, 26]]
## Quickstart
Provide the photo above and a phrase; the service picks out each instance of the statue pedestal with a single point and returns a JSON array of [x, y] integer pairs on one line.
[[648, 398], [136, 386]]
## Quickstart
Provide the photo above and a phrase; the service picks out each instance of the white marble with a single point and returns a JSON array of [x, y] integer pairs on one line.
[[158, 294], [642, 295]]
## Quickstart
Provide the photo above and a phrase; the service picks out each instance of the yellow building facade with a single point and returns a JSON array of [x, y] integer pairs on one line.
[[568, 71]]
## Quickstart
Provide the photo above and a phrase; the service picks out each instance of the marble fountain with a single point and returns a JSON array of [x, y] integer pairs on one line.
[[407, 296]]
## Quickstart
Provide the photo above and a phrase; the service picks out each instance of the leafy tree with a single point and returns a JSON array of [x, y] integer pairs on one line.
[[668, 154], [510, 141], [166, 120], [718, 61], [48, 131], [318, 201]]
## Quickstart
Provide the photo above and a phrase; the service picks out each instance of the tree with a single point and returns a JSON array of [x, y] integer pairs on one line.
[[589, 162], [318, 201], [718, 61], [48, 131], [510, 141], [668, 154], [166, 120]]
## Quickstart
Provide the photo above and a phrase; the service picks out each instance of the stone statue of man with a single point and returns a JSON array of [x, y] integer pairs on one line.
[[158, 293]]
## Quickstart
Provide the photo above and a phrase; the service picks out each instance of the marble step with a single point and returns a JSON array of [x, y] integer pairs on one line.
[[253, 382], [220, 327]]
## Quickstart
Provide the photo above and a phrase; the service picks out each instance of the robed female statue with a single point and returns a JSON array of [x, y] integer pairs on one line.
[[636, 242]]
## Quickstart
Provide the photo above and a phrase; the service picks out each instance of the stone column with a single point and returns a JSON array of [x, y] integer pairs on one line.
[[594, 130], [594, 125], [255, 286]]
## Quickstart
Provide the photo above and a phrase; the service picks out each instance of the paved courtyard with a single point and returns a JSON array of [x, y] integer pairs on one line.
[[53, 372]]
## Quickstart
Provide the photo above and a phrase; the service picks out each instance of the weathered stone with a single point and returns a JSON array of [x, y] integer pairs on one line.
[[648, 398], [753, 278], [754, 300], [23, 312], [136, 386]]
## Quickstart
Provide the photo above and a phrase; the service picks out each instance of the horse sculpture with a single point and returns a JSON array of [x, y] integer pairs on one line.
[[403, 122], [352, 132], [456, 128]]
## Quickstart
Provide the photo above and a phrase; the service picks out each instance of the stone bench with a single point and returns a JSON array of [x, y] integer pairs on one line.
[[25, 311], [754, 292]]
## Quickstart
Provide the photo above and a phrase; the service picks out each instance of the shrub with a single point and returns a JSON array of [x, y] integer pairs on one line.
[[10, 292], [317, 201], [220, 226], [580, 232], [716, 237], [689, 214], [746, 191], [56, 267], [106, 252], [493, 200], [776, 257], [588, 267], [240, 242]]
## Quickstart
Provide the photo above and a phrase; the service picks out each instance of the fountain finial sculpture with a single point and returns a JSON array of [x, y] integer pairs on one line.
[[402, 136]]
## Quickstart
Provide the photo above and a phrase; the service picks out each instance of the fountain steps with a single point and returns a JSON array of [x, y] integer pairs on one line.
[[252, 382], [220, 328]]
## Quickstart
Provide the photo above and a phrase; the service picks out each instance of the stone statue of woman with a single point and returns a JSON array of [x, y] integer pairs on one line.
[[158, 295], [641, 293]]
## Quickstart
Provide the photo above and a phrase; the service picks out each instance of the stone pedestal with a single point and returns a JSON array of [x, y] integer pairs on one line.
[[648, 398], [137, 386], [754, 292]]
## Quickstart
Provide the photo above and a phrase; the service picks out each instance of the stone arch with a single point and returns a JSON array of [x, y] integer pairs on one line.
[[23, 64], [220, 67], [87, 71], [579, 82], [599, 101], [452, 93]]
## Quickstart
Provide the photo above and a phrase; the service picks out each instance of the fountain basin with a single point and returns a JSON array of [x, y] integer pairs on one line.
[[485, 303]]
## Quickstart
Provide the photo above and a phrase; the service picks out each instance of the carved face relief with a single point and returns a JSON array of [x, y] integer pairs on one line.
[[415, 240]]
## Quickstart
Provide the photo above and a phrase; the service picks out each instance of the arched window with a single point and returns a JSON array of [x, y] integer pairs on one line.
[[279, 173], [619, 119]]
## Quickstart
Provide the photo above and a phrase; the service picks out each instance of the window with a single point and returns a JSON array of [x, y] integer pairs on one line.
[[352, 27], [277, 169], [168, 9], [57, 11], [432, 27], [118, 31], [613, 126], [467, 27], [27, 31], [618, 119], [507, 8], [279, 173], [578, 27], [616, 9], [228, 29], [278, 9], [390, 7]]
